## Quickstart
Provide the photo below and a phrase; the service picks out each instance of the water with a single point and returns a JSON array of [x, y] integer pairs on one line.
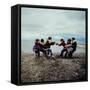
[[27, 47]]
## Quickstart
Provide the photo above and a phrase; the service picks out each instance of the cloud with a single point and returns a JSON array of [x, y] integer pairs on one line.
[[41, 23]]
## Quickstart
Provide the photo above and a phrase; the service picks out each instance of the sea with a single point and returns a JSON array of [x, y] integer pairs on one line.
[[27, 47]]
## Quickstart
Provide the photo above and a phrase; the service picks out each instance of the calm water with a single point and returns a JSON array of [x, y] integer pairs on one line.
[[27, 45]]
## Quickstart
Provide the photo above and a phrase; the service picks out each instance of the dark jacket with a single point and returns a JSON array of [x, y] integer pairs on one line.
[[74, 45], [62, 44], [48, 44]]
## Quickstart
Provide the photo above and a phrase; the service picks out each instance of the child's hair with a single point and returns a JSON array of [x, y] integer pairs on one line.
[[42, 40], [73, 38], [69, 41], [61, 39], [49, 38], [37, 40]]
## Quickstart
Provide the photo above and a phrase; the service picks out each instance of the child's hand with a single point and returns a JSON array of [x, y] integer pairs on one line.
[[52, 43], [66, 46]]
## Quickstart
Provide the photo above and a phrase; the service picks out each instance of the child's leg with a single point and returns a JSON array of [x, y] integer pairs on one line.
[[50, 52], [63, 52], [66, 54], [43, 51], [71, 53], [37, 53]]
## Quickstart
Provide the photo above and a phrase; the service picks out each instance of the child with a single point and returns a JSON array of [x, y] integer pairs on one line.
[[68, 47], [39, 47], [74, 46], [36, 47], [48, 45], [62, 43], [42, 47]]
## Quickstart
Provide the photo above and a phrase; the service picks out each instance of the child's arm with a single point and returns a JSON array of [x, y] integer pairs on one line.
[[52, 43], [58, 44], [69, 45]]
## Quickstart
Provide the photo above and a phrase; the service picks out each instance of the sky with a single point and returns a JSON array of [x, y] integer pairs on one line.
[[42, 23]]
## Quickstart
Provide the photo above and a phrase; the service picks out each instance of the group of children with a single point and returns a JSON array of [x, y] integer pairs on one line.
[[68, 48], [44, 47]]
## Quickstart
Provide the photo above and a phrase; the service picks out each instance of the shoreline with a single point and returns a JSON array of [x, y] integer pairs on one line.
[[55, 48]]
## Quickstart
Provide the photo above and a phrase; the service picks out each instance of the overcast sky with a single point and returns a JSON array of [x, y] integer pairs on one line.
[[41, 23]]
